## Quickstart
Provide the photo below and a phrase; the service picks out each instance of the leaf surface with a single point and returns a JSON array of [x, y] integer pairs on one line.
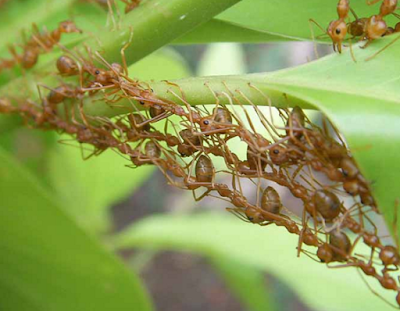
[[47, 262]]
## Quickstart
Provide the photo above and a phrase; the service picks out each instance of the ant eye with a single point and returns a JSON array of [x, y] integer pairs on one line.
[[140, 102], [276, 151], [97, 72], [206, 122], [338, 31]]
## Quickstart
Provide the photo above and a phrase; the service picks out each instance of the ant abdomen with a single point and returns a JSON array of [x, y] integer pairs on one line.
[[66, 66], [271, 201], [327, 204], [341, 245], [325, 253], [204, 169], [152, 150], [389, 256]]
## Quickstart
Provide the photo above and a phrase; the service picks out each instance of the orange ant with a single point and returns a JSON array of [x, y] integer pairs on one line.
[[337, 29], [38, 43]]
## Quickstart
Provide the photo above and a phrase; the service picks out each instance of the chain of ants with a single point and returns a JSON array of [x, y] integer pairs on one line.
[[26, 55], [289, 158]]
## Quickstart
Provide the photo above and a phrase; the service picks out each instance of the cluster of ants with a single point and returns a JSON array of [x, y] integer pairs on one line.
[[312, 162], [365, 28]]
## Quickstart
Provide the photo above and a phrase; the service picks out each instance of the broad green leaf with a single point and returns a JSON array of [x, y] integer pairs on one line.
[[361, 99], [89, 188], [269, 248], [220, 31], [246, 282], [47, 262], [289, 19], [271, 21]]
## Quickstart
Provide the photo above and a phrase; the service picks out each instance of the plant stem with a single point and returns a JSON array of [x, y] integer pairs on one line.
[[202, 91], [143, 31]]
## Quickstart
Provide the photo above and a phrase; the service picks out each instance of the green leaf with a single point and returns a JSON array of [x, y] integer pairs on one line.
[[271, 21], [47, 262], [289, 19], [89, 188], [269, 248], [220, 31], [246, 282]]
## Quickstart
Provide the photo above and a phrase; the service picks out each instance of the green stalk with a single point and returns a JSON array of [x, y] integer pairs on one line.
[[158, 22], [143, 31], [243, 89]]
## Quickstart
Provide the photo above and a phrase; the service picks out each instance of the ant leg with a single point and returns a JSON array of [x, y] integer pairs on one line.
[[272, 123], [238, 118], [124, 48], [352, 52], [217, 101], [197, 199], [394, 224], [238, 213], [16, 57], [304, 225], [310, 22], [192, 116], [245, 110], [110, 14], [374, 292], [372, 2], [381, 50]]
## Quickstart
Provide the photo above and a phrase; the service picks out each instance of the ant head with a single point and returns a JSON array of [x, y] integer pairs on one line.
[[101, 76], [68, 27], [206, 124], [337, 30]]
